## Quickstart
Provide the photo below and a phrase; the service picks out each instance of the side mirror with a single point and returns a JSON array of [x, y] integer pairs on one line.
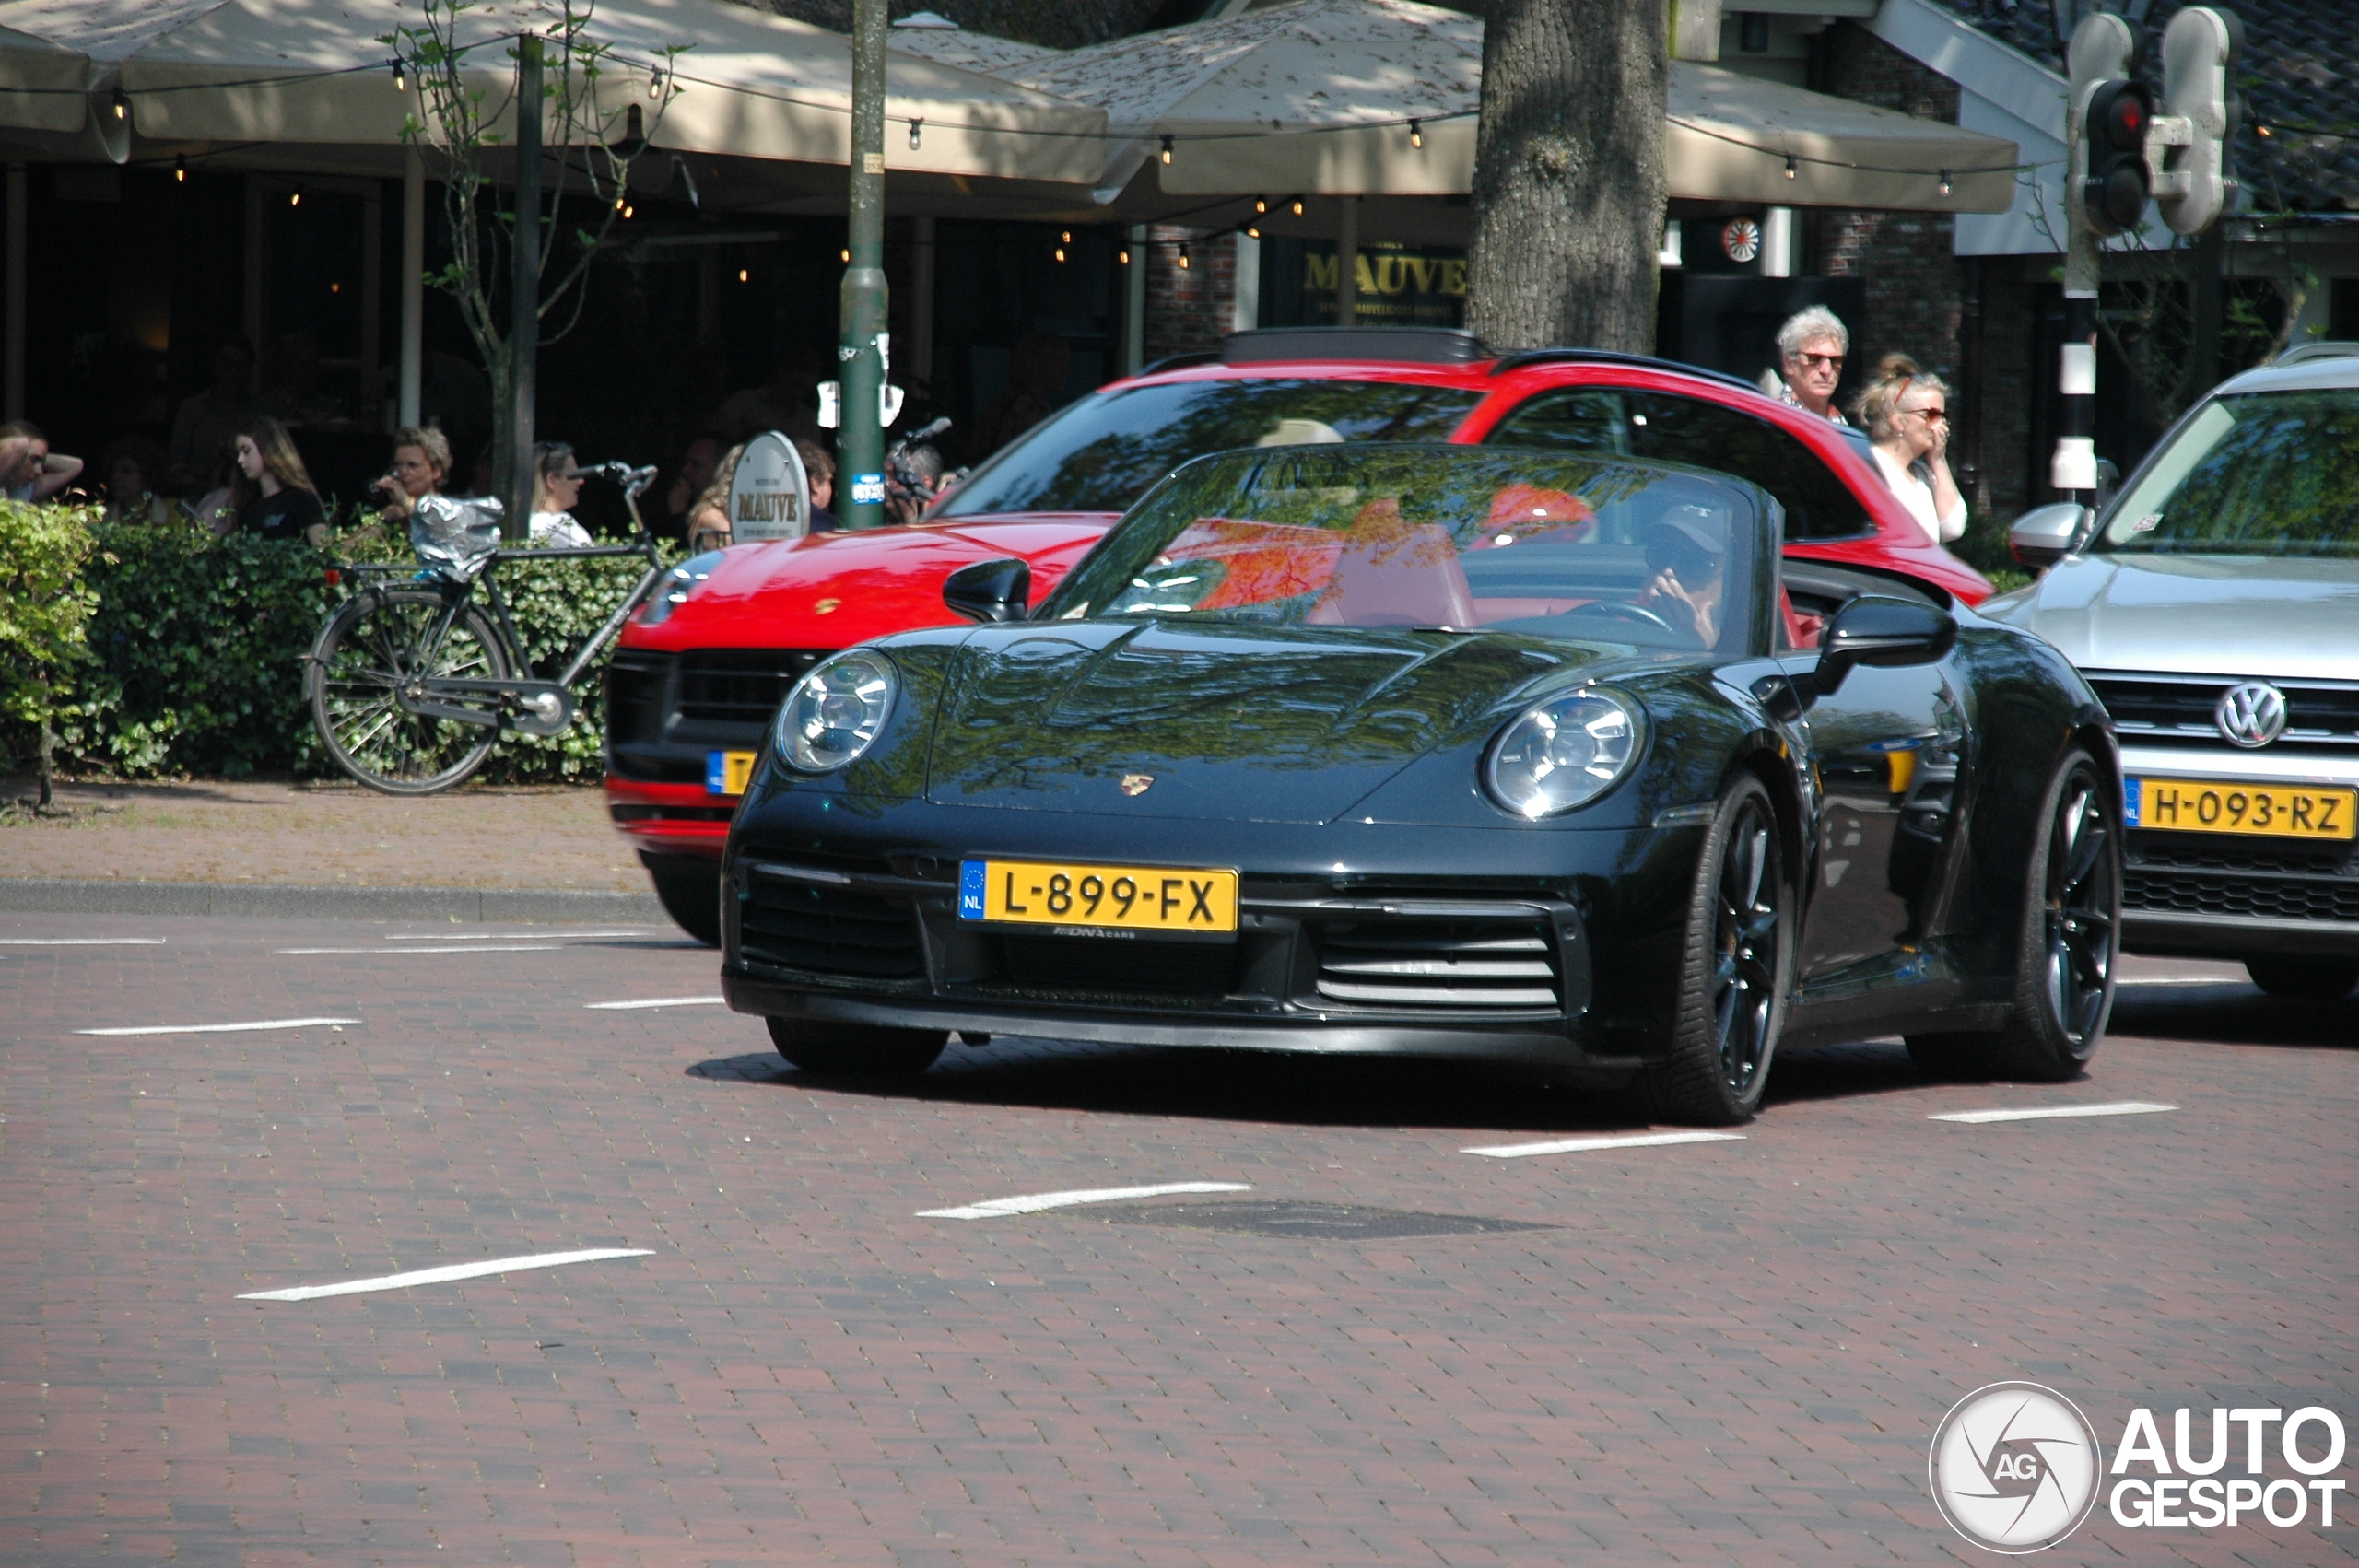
[[2042, 535], [1876, 630], [990, 590]]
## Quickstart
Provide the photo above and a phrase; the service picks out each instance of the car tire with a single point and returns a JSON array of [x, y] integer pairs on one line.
[[2064, 958], [863, 1050], [2305, 980], [689, 891], [1735, 970]]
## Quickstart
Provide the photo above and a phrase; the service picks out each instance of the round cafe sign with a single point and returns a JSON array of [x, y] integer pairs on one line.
[[769, 497]]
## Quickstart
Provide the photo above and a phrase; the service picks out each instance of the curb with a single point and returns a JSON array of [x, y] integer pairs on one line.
[[265, 901]]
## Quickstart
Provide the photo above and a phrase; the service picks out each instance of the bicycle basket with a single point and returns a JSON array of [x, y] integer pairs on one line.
[[455, 535]]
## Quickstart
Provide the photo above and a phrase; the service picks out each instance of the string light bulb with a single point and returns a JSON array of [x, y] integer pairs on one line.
[[917, 132], [1789, 166], [295, 197], [1297, 205], [2262, 131], [1183, 256], [744, 275], [401, 75], [1946, 182], [846, 253], [1417, 135], [1061, 252], [179, 170], [629, 211], [1122, 256], [1260, 204], [1252, 231], [1167, 149], [122, 105]]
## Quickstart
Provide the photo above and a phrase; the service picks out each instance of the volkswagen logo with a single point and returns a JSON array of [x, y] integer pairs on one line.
[[2251, 715], [2015, 1467]]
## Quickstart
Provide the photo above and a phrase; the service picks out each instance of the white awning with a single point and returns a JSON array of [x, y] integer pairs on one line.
[[1378, 97], [755, 85]]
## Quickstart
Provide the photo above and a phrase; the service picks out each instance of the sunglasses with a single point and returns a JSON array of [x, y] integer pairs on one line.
[[1928, 415], [1832, 361]]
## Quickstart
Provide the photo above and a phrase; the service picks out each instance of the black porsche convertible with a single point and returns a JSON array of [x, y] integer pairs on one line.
[[1443, 751]]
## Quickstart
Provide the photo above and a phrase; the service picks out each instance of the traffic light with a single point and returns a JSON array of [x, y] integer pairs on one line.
[[2104, 185], [2193, 181], [2113, 186]]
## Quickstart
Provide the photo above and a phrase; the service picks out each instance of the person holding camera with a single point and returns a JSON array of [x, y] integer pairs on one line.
[[421, 465]]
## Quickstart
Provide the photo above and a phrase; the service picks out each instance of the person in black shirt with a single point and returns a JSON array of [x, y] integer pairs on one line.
[[272, 492]]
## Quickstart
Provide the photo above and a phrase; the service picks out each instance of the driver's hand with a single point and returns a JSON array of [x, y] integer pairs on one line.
[[1667, 596]]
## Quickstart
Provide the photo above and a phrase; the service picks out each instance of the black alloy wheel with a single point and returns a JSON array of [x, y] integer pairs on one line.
[[1733, 981], [2064, 970], [857, 1050]]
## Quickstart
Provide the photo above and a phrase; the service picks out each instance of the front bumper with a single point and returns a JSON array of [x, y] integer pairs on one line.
[[1482, 963], [2202, 895], [671, 819]]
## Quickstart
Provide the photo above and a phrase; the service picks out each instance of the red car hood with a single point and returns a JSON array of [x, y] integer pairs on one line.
[[835, 589]]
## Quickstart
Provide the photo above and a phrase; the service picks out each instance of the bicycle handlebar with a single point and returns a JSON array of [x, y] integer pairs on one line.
[[634, 481]]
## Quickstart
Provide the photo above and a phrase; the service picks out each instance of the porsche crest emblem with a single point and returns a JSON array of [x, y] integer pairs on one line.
[[1137, 783]]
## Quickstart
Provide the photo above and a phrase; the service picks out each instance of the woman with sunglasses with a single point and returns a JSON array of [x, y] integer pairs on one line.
[[1907, 412]]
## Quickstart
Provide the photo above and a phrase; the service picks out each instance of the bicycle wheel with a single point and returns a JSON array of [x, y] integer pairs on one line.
[[373, 644]]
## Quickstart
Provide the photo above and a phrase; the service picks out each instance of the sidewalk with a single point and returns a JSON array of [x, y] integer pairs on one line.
[[255, 844]]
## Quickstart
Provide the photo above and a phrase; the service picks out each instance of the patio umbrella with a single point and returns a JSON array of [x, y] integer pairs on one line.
[[314, 71]]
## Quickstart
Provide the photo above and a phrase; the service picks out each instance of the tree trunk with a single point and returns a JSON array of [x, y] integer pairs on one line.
[[1568, 179]]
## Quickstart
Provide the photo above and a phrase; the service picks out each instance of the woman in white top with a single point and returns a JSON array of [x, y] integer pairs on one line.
[[1907, 412], [557, 486]]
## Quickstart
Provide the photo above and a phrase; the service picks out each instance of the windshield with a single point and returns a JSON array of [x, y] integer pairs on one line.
[[1438, 537], [1102, 454], [2261, 474]]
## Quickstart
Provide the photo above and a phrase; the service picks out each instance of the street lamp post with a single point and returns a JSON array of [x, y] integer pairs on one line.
[[862, 349]]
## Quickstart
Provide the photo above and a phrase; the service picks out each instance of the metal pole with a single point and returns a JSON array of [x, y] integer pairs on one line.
[[921, 266], [2075, 469], [863, 313], [1347, 264], [372, 301], [15, 390], [524, 291], [1135, 303], [413, 289]]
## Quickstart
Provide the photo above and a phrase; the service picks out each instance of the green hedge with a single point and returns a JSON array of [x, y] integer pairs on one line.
[[197, 648]]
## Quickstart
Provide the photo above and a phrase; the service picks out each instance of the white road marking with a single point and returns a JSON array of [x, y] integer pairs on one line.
[[221, 1028], [1581, 1145], [998, 1207], [436, 952], [567, 935], [442, 1276], [657, 1001], [81, 942], [2117, 1108]]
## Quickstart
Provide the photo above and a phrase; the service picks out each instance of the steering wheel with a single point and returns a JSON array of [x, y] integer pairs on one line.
[[1622, 609]]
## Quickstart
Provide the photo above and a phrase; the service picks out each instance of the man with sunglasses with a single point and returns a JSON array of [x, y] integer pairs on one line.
[[1812, 346]]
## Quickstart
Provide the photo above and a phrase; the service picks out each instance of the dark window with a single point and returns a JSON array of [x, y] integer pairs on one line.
[[1621, 422], [1102, 454]]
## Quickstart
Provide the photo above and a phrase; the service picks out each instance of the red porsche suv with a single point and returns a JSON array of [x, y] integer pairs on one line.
[[703, 667]]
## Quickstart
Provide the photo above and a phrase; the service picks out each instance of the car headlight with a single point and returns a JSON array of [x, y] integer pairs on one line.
[[836, 713], [1563, 753]]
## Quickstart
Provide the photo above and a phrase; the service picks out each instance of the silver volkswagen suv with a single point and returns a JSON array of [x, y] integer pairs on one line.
[[2214, 604]]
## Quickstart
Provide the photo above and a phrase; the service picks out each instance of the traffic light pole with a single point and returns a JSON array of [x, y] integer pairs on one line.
[[866, 303]]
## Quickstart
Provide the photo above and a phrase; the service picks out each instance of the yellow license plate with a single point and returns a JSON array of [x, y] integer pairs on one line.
[[2267, 811], [727, 773], [1095, 898]]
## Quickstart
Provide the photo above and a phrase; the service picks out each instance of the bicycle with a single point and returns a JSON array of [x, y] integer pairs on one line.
[[411, 683]]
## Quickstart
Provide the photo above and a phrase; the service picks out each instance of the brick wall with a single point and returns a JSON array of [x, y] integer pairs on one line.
[[1915, 282], [1190, 309]]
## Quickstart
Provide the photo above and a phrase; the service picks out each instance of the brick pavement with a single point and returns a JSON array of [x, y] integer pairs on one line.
[[1727, 1352], [321, 833]]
